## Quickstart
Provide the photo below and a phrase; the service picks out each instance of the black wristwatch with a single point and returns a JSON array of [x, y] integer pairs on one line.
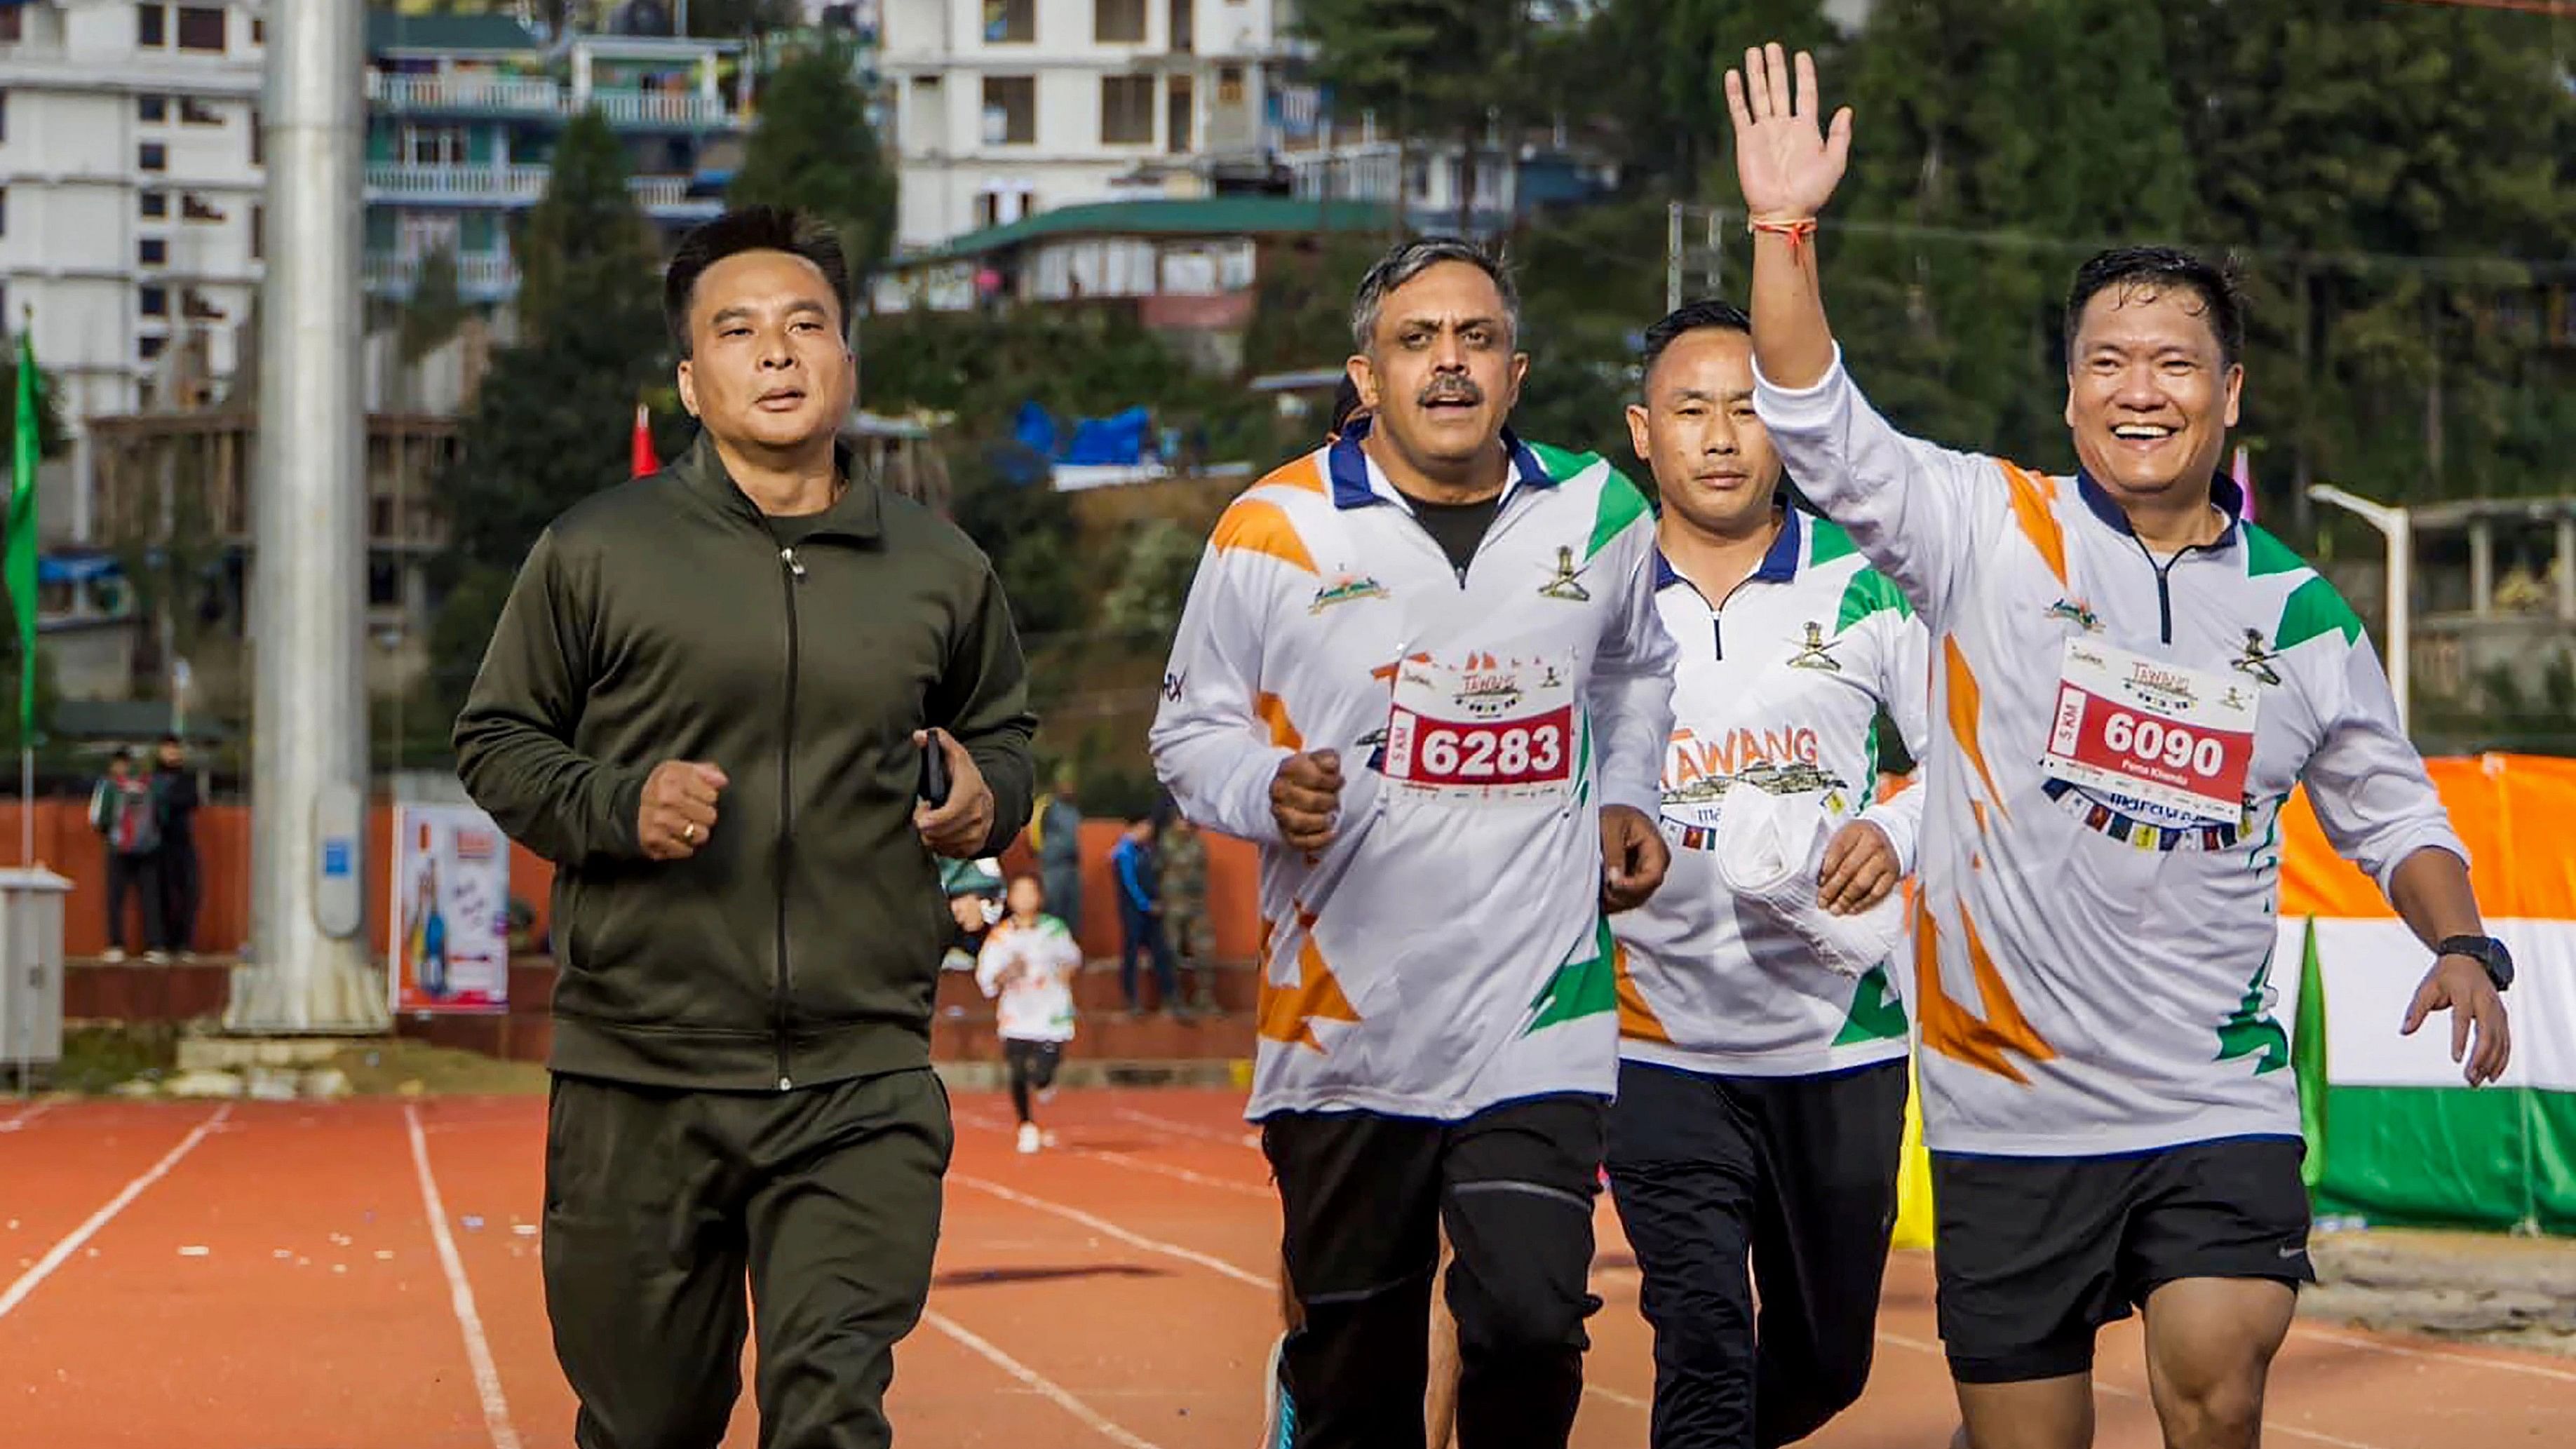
[[2487, 951]]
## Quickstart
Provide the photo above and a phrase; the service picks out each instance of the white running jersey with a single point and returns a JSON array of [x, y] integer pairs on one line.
[[1447, 951], [1778, 688], [2094, 931], [1031, 969]]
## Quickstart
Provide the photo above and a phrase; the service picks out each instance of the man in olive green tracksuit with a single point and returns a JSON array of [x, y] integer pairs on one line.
[[705, 702]]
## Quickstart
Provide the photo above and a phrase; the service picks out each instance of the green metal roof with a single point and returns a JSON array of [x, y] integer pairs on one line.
[[387, 30], [1210, 216]]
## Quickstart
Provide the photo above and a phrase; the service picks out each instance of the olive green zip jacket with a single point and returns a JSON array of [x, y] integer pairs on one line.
[[663, 620]]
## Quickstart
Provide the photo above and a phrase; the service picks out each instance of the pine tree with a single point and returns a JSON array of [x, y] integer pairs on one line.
[[2365, 155], [812, 148], [551, 421]]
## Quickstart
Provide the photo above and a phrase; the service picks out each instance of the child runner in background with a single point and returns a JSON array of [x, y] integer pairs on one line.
[[1029, 960]]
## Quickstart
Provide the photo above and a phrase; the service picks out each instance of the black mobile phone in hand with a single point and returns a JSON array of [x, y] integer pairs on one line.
[[934, 772]]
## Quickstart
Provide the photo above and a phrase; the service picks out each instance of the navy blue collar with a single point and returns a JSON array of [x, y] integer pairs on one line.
[[2223, 494], [1779, 562], [1349, 467]]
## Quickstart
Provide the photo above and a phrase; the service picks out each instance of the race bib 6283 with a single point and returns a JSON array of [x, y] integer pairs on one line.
[[1483, 732]]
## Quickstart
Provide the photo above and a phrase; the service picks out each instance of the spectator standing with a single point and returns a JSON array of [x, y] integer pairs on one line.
[[1184, 900], [122, 811], [1057, 837], [1140, 917], [174, 792]]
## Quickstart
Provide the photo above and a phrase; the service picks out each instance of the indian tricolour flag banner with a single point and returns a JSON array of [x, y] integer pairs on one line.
[[2396, 1136]]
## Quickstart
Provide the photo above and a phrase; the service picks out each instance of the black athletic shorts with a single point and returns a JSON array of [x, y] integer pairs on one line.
[[2034, 1254]]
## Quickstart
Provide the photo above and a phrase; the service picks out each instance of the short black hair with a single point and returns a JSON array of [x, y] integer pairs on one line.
[[749, 229], [1708, 312], [1407, 260], [2222, 301]]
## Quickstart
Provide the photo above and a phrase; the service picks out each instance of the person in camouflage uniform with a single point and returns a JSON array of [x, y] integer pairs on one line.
[[1184, 898]]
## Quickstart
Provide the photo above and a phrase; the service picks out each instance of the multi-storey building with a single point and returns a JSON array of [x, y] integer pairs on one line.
[[130, 187], [1008, 107], [464, 112]]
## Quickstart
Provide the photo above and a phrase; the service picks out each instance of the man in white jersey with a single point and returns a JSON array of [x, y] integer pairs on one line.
[[1762, 1085], [2129, 681], [1421, 668]]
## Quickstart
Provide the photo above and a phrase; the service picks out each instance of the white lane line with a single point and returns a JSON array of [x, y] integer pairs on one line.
[[1625, 1401], [1125, 1159], [1110, 1229], [55, 1256], [2500, 1365], [1037, 1383], [25, 1115], [1248, 1138], [460, 1294], [2122, 1391]]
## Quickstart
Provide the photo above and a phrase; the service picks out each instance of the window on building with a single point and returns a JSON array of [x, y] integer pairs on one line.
[[154, 251], [258, 138], [152, 156], [258, 233], [150, 345], [258, 31], [156, 204], [927, 126], [1118, 22], [1010, 110], [12, 29], [1126, 110], [1229, 85], [1184, 15], [384, 576], [194, 112], [4, 211], [4, 115], [434, 145], [193, 207], [1180, 111], [154, 301], [1010, 22], [152, 110], [1002, 204], [151, 26], [201, 27]]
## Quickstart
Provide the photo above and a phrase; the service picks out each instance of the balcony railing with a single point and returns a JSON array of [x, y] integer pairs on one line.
[[485, 273], [464, 93], [656, 108], [459, 183], [513, 184], [624, 107]]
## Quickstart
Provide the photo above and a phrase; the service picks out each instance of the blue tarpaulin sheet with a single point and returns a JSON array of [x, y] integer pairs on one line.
[[1117, 440]]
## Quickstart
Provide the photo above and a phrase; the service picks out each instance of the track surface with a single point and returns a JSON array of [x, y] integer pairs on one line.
[[273, 1276]]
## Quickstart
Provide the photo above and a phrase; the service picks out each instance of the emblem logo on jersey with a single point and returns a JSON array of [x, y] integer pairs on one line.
[[1345, 589], [2076, 611], [1566, 583], [2256, 660], [1814, 655]]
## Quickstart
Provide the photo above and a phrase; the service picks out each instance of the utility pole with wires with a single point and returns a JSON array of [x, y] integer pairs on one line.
[[1694, 269]]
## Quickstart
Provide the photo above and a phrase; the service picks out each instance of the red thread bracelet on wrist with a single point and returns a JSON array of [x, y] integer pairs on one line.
[[1794, 230]]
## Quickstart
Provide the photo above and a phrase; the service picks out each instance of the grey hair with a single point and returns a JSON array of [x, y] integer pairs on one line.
[[1411, 259]]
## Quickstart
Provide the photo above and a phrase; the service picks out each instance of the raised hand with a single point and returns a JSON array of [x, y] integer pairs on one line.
[[1787, 164]]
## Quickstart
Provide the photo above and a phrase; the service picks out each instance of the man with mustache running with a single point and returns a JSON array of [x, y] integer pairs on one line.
[[1422, 668]]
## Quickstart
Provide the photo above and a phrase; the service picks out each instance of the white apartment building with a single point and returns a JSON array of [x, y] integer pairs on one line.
[[1006, 107], [130, 187]]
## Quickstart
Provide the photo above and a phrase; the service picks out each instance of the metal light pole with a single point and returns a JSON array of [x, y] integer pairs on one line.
[[308, 969], [2398, 526]]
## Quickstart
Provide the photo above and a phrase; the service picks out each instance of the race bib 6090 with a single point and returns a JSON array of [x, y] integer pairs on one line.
[[2160, 732]]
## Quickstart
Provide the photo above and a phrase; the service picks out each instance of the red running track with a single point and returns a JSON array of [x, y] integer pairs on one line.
[[272, 1276]]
